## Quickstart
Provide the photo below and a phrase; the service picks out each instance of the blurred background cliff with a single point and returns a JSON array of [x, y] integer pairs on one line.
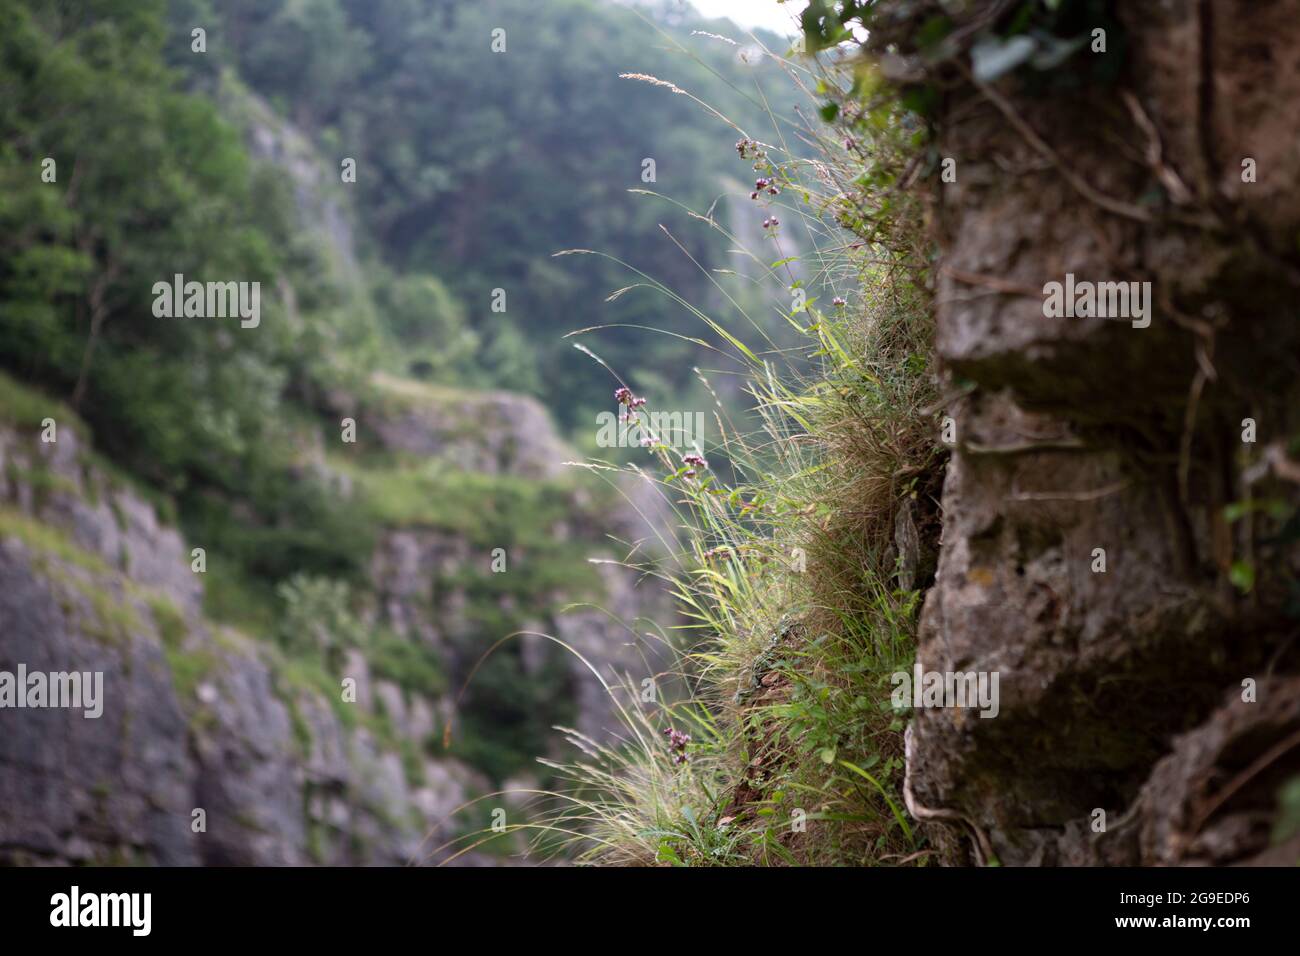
[[322, 559]]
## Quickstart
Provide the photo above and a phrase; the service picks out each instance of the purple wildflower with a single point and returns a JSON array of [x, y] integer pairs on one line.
[[677, 741]]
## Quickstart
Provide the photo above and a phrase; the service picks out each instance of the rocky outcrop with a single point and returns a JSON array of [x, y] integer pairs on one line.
[[490, 432], [273, 139], [422, 575], [62, 482], [73, 789], [217, 747], [208, 749], [1103, 550]]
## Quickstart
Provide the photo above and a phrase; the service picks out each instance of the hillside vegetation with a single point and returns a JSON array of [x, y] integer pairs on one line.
[[350, 488], [376, 294]]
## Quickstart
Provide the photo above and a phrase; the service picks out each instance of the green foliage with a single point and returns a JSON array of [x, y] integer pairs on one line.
[[511, 363], [193, 406], [239, 600], [91, 245], [309, 675], [318, 617], [489, 510], [299, 526], [508, 711], [410, 665], [1036, 39], [1287, 824], [429, 325], [47, 539], [26, 408], [169, 619], [190, 666], [554, 142]]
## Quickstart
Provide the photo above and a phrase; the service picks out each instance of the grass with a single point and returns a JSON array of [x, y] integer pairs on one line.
[[112, 619], [799, 600], [300, 674], [189, 666], [43, 481], [49, 540], [541, 525], [25, 407], [413, 667], [477, 505], [397, 394]]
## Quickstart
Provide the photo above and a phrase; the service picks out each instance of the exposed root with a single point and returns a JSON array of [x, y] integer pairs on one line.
[[983, 848]]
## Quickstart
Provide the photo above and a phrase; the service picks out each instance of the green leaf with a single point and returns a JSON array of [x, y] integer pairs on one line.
[[1242, 574], [893, 807], [667, 854]]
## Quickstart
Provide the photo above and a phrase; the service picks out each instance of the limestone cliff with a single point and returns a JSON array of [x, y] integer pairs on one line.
[[1124, 685], [201, 717]]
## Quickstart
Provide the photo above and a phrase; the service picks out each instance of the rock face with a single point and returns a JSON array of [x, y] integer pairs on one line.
[[72, 789], [490, 432], [195, 718], [418, 572], [213, 747], [1089, 552], [100, 517]]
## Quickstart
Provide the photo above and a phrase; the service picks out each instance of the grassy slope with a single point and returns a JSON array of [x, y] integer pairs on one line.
[[791, 575]]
